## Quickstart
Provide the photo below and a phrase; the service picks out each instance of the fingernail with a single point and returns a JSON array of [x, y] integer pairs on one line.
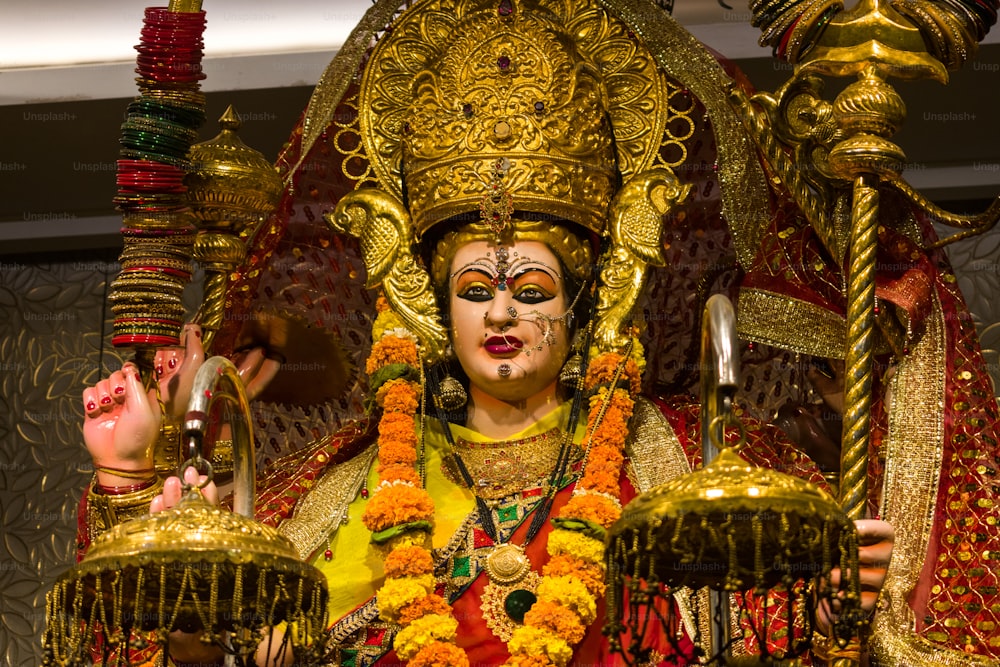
[[119, 390], [159, 369], [171, 363], [105, 400], [91, 406]]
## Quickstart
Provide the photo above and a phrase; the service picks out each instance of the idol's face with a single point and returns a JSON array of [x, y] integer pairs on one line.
[[508, 318]]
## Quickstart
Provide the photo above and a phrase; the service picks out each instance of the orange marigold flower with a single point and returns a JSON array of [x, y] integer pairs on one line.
[[398, 471], [556, 619], [603, 368], [521, 660], [601, 481], [599, 509], [430, 604], [391, 350], [398, 396], [396, 505], [394, 453], [607, 459], [408, 561], [439, 654], [590, 575]]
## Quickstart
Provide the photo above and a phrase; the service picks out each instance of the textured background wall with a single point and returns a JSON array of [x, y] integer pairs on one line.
[[52, 319], [53, 342]]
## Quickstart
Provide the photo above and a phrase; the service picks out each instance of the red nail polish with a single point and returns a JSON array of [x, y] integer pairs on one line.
[[91, 405], [172, 363], [105, 400], [119, 391]]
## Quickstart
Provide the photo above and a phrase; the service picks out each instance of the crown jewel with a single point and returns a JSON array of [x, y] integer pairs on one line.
[[510, 116]]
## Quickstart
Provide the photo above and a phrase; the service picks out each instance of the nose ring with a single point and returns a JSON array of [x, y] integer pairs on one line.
[[512, 312]]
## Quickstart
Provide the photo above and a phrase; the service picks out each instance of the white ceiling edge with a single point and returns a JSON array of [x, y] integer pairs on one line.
[[114, 80]]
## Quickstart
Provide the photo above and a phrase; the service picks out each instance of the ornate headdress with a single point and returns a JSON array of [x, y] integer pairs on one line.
[[477, 109], [509, 117]]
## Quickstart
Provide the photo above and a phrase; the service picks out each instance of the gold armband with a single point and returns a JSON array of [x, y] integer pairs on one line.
[[105, 510]]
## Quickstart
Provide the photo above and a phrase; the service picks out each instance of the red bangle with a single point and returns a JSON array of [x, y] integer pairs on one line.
[[122, 490]]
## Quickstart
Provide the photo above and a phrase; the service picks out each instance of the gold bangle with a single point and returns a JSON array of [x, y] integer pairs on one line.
[[107, 511], [144, 473]]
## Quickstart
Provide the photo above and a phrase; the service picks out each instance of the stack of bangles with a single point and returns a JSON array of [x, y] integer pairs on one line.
[[146, 475], [109, 505], [160, 127]]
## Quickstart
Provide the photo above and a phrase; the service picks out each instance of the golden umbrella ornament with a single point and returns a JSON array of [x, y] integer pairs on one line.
[[195, 568], [729, 527]]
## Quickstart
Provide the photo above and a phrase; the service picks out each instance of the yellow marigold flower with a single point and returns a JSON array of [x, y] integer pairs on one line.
[[423, 631], [571, 593], [535, 641], [397, 593], [576, 544], [387, 320]]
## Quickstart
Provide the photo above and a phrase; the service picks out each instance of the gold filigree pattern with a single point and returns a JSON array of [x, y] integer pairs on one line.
[[382, 225], [636, 222], [524, 95]]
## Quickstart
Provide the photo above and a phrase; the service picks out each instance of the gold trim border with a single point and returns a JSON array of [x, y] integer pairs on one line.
[[914, 448], [800, 326]]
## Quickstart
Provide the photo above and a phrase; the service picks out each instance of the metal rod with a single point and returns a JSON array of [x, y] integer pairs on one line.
[[216, 380], [720, 375]]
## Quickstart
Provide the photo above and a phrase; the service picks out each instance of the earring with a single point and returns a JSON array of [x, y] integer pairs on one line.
[[450, 395], [572, 370]]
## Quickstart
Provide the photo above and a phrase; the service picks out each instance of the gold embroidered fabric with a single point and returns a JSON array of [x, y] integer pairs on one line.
[[504, 467], [779, 320], [325, 506], [914, 447]]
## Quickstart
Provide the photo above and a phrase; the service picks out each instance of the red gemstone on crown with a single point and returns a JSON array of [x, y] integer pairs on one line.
[[503, 62], [506, 8]]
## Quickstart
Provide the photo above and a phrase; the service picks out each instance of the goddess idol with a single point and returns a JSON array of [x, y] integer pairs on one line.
[[508, 169]]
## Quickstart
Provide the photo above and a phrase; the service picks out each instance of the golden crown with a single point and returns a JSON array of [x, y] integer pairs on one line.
[[511, 117]]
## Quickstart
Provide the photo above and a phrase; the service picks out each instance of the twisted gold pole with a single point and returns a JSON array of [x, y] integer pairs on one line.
[[860, 343]]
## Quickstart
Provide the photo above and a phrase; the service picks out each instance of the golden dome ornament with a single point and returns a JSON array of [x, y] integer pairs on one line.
[[731, 527], [195, 568]]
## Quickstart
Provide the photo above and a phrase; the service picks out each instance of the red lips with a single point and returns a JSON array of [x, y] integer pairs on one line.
[[501, 345]]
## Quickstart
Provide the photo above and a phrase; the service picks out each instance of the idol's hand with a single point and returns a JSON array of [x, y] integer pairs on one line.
[[176, 368], [173, 490], [875, 539], [120, 426]]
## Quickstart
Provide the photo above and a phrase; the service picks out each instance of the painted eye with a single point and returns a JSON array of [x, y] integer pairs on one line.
[[477, 293], [531, 294]]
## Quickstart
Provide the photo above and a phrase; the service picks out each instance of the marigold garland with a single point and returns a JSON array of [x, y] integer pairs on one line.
[[530, 661], [597, 508], [439, 654], [404, 504], [422, 632], [585, 548], [398, 593], [538, 641], [557, 619], [574, 576], [408, 562], [590, 574], [429, 604], [569, 592], [391, 349], [428, 634]]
